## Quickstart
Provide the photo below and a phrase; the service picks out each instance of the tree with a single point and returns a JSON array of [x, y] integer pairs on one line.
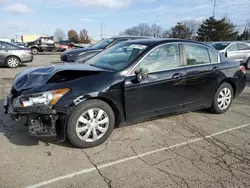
[[245, 35], [83, 37], [59, 34], [139, 30], [193, 26], [216, 30], [156, 31], [180, 31], [73, 36]]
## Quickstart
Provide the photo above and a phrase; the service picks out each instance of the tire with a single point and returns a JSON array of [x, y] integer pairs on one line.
[[248, 64], [228, 92], [34, 51], [81, 133], [13, 62]]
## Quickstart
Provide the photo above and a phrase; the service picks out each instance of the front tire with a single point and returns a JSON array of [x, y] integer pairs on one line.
[[12, 62], [90, 124], [222, 99]]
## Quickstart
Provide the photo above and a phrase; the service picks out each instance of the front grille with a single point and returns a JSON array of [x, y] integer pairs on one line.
[[34, 110]]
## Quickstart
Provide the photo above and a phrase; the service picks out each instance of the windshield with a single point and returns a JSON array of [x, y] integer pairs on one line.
[[220, 46], [103, 43], [117, 57]]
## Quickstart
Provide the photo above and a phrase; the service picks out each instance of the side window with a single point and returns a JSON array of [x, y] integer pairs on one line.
[[196, 54], [2, 47], [232, 48], [213, 56], [242, 46], [162, 58]]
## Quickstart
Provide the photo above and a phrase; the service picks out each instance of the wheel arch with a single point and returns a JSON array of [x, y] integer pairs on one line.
[[12, 56], [231, 82]]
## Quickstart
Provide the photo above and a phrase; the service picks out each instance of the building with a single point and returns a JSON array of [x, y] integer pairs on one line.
[[29, 38]]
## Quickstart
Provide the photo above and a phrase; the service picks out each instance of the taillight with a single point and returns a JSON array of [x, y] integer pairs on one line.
[[243, 69]]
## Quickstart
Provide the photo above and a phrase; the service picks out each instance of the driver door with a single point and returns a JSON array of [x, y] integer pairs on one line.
[[162, 89]]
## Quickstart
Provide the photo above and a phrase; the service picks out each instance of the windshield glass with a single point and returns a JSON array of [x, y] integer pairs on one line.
[[117, 57], [220, 46], [103, 43]]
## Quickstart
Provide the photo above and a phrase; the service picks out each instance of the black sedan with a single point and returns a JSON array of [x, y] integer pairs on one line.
[[83, 54], [129, 82]]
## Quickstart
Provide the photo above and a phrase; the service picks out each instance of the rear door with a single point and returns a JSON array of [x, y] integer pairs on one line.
[[203, 75]]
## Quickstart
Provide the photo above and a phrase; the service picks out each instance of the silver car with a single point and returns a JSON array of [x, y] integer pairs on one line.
[[239, 51], [12, 55]]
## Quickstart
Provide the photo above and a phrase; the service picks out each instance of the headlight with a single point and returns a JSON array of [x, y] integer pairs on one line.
[[45, 98]]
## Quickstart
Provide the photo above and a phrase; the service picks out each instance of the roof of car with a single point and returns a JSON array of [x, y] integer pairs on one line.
[[131, 37], [161, 40]]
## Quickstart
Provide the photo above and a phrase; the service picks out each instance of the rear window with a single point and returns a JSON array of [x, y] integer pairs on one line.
[[220, 46]]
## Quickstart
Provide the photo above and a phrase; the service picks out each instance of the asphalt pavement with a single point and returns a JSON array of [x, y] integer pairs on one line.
[[193, 149]]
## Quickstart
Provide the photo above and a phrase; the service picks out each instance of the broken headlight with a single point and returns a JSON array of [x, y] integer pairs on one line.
[[44, 98]]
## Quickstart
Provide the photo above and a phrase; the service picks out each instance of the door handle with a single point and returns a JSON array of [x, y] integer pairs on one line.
[[178, 75], [216, 68]]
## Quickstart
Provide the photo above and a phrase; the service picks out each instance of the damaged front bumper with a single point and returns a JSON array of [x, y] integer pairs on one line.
[[40, 120]]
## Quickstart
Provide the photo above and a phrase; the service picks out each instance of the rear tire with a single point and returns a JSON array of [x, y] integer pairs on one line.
[[222, 99], [34, 51], [90, 124], [13, 62]]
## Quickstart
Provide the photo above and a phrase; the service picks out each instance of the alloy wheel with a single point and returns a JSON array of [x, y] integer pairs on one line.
[[92, 125], [13, 62], [224, 98]]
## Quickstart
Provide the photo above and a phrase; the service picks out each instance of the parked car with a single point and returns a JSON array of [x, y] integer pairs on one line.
[[12, 55], [129, 82], [21, 44], [42, 44], [239, 51], [81, 53]]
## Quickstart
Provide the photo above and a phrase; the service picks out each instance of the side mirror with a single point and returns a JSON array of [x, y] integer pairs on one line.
[[140, 75], [225, 53]]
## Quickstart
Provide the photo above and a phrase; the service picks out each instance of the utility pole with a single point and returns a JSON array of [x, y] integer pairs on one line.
[[214, 8], [102, 24]]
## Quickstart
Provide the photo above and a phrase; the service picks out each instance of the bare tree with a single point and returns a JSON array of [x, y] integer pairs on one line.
[[59, 34], [156, 31], [83, 37], [140, 30], [193, 26]]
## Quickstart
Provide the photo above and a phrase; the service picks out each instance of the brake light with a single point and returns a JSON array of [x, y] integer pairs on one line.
[[243, 69]]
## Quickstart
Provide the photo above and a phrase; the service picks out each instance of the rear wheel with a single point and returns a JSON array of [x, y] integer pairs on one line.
[[90, 124], [34, 51], [12, 62], [223, 99]]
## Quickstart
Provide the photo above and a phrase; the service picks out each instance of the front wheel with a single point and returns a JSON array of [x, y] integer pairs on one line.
[[223, 98], [90, 124]]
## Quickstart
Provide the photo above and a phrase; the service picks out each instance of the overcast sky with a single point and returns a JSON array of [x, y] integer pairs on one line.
[[44, 16]]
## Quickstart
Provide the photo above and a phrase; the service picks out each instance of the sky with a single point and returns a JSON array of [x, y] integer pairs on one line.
[[19, 17]]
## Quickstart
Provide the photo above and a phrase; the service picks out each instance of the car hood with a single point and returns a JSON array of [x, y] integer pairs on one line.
[[35, 77]]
